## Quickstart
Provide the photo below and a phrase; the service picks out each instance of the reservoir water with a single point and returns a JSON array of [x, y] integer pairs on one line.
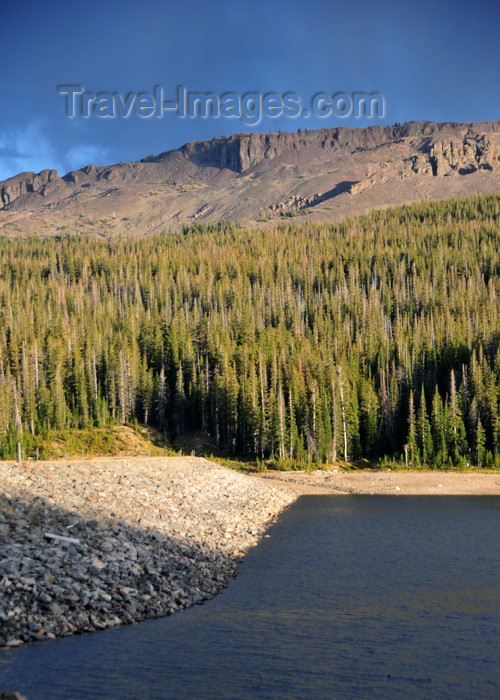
[[349, 597]]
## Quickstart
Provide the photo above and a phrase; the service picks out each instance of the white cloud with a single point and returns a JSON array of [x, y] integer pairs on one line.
[[26, 150], [82, 155]]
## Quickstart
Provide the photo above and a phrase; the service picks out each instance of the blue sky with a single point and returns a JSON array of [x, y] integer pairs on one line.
[[436, 60]]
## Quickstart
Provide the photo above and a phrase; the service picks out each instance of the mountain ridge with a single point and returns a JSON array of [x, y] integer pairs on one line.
[[252, 177]]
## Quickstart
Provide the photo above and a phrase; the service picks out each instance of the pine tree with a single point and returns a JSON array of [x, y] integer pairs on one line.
[[369, 417], [413, 452], [455, 429], [479, 444], [424, 437], [438, 430]]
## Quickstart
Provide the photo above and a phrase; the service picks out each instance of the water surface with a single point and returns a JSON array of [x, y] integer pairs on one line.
[[350, 597]]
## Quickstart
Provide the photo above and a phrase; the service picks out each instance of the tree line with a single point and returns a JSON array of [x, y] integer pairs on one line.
[[306, 342]]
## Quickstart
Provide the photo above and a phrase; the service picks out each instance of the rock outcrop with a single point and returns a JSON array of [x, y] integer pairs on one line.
[[456, 156], [26, 183], [254, 176], [368, 182]]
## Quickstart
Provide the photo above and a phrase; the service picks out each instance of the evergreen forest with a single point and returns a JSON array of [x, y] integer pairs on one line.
[[377, 337]]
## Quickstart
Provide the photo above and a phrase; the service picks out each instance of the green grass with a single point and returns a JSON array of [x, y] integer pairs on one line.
[[131, 440]]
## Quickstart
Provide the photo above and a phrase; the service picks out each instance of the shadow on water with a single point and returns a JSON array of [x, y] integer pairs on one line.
[[350, 596]]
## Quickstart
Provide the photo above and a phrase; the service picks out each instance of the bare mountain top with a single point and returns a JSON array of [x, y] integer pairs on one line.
[[320, 175]]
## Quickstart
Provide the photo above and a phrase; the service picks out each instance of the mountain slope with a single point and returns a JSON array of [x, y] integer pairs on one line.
[[320, 175]]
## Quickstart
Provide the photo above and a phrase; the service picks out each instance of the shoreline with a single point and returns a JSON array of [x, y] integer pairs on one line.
[[89, 545], [403, 483]]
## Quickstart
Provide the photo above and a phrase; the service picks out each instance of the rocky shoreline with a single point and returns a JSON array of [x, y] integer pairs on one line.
[[89, 545]]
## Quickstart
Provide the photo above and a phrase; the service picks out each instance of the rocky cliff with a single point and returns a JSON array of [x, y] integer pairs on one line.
[[326, 173], [25, 183], [241, 152]]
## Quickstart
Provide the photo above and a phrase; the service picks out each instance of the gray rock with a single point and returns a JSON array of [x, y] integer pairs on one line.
[[122, 572]]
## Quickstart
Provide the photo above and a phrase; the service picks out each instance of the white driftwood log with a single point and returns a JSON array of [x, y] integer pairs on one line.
[[73, 540]]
